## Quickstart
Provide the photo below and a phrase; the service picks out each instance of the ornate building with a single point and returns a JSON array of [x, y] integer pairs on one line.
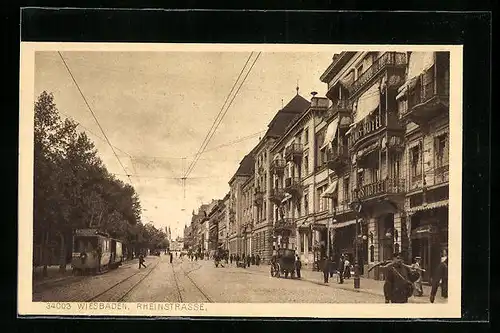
[[396, 108]]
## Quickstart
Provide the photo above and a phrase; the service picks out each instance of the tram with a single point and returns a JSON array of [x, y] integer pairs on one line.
[[95, 251]]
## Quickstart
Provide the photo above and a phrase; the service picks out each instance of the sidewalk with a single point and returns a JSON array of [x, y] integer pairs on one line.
[[369, 286]]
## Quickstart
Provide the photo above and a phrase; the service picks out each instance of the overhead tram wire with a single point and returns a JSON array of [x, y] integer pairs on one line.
[[93, 115], [218, 115], [220, 120]]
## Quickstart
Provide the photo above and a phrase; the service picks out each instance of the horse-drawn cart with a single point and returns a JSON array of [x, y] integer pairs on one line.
[[283, 264]]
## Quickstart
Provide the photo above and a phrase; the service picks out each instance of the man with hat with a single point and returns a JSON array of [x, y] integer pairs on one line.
[[418, 284], [398, 286]]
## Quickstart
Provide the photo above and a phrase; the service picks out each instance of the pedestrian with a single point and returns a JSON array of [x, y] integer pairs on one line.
[[326, 269], [171, 257], [237, 258], [347, 267], [257, 259], [332, 267], [418, 284], [340, 268], [249, 260], [298, 265], [440, 278], [231, 258], [141, 261], [398, 286], [253, 259]]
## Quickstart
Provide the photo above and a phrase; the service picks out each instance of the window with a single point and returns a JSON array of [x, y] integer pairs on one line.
[[323, 202], [346, 196], [306, 136], [320, 155], [306, 204], [416, 165], [441, 148], [395, 165], [361, 177], [306, 165]]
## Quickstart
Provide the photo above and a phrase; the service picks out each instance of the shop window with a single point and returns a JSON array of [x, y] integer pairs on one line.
[[301, 243]]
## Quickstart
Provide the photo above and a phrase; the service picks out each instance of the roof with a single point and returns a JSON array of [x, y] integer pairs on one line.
[[296, 106]]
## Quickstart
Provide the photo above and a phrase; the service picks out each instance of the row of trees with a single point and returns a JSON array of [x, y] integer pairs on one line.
[[73, 189]]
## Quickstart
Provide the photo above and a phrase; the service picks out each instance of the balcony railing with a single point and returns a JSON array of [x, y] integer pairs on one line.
[[441, 174], [337, 157], [381, 187], [340, 106], [276, 195], [288, 224], [366, 127], [293, 151], [278, 165], [427, 94], [388, 59], [292, 182]]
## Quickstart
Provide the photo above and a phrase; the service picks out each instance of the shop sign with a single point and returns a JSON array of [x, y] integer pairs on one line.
[[424, 231]]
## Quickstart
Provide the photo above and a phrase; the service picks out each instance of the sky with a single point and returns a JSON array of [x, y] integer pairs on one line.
[[157, 107]]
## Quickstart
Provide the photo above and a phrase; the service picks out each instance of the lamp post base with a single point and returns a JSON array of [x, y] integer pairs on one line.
[[356, 276]]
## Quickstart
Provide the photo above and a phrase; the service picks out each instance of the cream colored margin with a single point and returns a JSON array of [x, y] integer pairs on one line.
[[450, 310]]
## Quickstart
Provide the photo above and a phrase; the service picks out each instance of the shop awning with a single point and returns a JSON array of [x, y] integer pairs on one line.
[[287, 197], [437, 204], [331, 191], [342, 224], [368, 102], [408, 85], [330, 133], [419, 62]]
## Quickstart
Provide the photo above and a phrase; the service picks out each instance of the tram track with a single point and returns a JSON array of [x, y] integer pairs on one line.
[[119, 283], [186, 274]]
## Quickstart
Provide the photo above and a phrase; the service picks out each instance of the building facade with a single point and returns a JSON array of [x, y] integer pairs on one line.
[[395, 107]]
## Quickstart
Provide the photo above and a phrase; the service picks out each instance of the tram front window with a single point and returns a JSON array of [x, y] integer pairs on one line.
[[85, 244]]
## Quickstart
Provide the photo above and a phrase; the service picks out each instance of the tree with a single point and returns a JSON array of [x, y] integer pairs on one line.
[[72, 187]]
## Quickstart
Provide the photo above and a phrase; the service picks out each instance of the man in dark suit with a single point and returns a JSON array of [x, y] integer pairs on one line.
[[440, 277]]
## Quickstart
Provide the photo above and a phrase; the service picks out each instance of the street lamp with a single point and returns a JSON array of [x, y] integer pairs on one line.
[[357, 206]]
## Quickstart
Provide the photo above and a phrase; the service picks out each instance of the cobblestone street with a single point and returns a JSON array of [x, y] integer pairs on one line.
[[200, 281]]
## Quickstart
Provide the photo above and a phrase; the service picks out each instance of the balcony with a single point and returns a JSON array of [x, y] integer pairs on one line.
[[293, 186], [388, 61], [441, 174], [278, 166], [285, 227], [342, 107], [258, 197], [276, 195], [427, 99], [381, 188], [337, 158], [294, 152], [370, 128]]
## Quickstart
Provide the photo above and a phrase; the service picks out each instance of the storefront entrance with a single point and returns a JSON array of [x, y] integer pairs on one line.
[[429, 238]]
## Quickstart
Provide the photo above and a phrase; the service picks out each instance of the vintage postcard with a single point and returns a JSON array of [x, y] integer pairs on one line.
[[240, 180]]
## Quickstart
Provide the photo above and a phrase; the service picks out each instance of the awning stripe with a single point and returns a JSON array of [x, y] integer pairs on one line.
[[330, 133], [433, 205]]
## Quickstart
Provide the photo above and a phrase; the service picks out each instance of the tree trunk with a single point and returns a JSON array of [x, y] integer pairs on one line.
[[62, 254]]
